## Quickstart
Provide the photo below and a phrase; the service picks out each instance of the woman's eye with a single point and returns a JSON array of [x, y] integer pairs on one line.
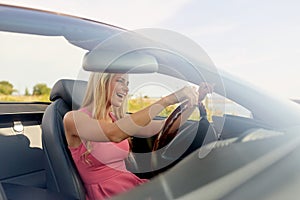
[[122, 81]]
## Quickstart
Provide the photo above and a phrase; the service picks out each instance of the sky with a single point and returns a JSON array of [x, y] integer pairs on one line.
[[256, 40]]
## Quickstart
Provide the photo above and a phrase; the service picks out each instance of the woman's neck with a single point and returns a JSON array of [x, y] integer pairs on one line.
[[107, 114]]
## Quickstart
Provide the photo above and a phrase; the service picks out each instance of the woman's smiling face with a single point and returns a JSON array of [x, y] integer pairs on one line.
[[118, 89]]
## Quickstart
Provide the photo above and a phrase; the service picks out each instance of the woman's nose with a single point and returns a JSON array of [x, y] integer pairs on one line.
[[125, 88]]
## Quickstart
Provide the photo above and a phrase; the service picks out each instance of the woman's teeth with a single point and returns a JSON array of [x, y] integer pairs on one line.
[[120, 95]]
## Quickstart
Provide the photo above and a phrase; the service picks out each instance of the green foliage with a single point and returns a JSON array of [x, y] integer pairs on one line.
[[40, 93], [27, 92], [41, 89], [6, 88], [137, 104]]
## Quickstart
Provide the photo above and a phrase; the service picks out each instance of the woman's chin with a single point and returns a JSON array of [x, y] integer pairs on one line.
[[117, 104]]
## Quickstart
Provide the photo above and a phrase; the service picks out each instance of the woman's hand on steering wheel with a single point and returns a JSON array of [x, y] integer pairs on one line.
[[189, 93], [194, 97], [204, 89]]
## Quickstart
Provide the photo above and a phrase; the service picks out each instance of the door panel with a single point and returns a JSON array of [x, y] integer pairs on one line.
[[21, 153]]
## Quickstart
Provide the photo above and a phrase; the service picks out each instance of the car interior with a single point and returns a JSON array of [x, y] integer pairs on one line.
[[36, 161], [50, 171]]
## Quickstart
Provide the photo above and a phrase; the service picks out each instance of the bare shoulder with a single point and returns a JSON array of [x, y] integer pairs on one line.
[[69, 118], [70, 128], [73, 119]]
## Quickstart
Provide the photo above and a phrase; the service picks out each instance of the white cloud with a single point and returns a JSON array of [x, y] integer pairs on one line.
[[213, 29], [130, 14], [239, 37]]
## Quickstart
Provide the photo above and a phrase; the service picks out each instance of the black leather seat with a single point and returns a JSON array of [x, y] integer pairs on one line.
[[62, 175]]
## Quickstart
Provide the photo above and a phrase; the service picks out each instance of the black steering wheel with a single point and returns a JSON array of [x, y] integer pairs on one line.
[[177, 143], [168, 133]]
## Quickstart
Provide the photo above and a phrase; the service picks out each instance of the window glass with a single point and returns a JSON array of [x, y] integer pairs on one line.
[[31, 64], [145, 89], [218, 105]]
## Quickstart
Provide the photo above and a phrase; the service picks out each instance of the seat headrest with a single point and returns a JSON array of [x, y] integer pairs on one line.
[[71, 91]]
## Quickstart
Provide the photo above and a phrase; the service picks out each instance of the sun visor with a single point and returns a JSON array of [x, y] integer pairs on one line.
[[110, 61]]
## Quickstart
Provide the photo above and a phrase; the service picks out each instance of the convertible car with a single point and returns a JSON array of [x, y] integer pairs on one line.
[[241, 143]]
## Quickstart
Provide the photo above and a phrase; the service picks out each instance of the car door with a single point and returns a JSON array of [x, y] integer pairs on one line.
[[21, 153]]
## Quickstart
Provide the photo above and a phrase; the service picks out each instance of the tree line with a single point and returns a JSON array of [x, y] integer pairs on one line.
[[6, 88]]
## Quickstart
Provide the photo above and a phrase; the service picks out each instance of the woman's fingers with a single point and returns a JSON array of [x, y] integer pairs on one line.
[[204, 89], [187, 92], [192, 95]]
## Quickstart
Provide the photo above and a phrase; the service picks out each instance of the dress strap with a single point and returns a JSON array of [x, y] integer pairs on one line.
[[85, 110]]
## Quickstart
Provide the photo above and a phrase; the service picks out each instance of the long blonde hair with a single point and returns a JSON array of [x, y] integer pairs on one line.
[[97, 94], [96, 97]]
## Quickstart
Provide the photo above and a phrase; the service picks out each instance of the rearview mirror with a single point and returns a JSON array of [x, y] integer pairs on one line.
[[109, 61]]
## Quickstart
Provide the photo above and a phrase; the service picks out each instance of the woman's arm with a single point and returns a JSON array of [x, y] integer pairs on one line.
[[153, 128], [203, 90], [78, 124], [141, 123]]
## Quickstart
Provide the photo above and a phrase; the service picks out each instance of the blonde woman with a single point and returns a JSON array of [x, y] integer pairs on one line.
[[97, 133]]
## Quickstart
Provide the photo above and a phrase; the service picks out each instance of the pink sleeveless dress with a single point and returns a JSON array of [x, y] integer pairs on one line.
[[103, 171]]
